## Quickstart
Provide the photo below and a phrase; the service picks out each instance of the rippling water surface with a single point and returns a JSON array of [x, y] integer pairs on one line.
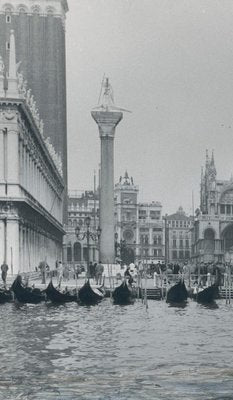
[[116, 352]]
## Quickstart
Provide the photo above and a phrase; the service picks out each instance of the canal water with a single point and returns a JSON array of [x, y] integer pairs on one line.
[[109, 352]]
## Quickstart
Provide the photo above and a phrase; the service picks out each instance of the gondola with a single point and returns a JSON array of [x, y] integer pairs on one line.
[[26, 294], [56, 296], [177, 293], [5, 295], [88, 295], [207, 295], [123, 294]]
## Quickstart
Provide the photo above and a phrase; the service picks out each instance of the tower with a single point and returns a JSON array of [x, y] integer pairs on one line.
[[40, 55], [107, 118]]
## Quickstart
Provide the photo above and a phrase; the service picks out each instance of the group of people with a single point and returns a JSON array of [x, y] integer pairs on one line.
[[96, 272]]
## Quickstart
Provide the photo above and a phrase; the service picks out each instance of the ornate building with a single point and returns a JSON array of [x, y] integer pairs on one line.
[[138, 225], [178, 236], [213, 228], [31, 185], [40, 31]]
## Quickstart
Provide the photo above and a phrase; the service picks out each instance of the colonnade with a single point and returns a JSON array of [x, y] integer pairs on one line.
[[33, 178]]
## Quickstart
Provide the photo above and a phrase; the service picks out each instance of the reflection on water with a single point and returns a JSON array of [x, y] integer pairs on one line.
[[116, 352]]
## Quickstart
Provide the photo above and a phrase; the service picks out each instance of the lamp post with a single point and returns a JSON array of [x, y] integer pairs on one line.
[[89, 235]]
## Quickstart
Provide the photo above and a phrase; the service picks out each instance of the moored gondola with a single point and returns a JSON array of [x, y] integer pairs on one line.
[[207, 295], [26, 294], [56, 296], [5, 295], [123, 294], [88, 295], [177, 293]]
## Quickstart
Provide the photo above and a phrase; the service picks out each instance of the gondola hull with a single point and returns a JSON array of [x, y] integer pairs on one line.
[[208, 295], [123, 294], [88, 296], [56, 296], [5, 296], [177, 293], [26, 294]]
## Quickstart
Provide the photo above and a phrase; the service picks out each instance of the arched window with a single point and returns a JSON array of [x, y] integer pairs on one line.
[[77, 251]]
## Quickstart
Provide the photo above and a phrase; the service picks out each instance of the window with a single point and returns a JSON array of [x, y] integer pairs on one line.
[[174, 243], [174, 254], [160, 252], [159, 240], [7, 45], [181, 224], [181, 254], [8, 19], [177, 224], [187, 254], [69, 254], [181, 243], [155, 252], [228, 209], [173, 224], [187, 243], [222, 209]]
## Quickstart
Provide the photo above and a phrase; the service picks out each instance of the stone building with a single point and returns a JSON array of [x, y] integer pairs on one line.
[[80, 207], [40, 52], [31, 184], [178, 236], [213, 229], [138, 225]]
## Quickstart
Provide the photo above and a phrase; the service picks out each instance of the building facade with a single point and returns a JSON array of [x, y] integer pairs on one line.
[[40, 52], [138, 226], [213, 228], [178, 237], [80, 207], [31, 184]]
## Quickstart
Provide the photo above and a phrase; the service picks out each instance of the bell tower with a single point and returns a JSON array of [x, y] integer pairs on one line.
[[39, 28]]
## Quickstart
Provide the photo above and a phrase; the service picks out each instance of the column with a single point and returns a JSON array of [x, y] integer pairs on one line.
[[107, 122]]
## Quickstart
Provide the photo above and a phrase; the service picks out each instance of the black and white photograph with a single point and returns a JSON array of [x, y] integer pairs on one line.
[[116, 199]]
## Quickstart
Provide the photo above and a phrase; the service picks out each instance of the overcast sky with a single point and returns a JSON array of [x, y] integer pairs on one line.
[[171, 63]]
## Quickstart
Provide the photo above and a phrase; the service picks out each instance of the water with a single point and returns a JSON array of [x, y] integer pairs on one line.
[[108, 352]]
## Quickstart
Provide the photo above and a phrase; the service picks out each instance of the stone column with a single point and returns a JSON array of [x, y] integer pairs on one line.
[[107, 122]]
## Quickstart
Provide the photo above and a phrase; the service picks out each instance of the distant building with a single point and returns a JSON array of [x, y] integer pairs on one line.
[[31, 183], [213, 229], [81, 206], [178, 236], [138, 226]]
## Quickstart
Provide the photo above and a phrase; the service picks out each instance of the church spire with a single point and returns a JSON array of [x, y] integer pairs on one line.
[[212, 168]]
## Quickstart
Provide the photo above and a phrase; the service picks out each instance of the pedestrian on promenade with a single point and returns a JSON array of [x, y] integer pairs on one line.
[[42, 267], [98, 273], [4, 269], [59, 273]]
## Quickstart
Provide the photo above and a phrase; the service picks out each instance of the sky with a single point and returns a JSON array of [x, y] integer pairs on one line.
[[171, 63]]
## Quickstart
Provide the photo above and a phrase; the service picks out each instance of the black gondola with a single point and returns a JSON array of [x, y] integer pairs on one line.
[[26, 294], [88, 295], [56, 296], [208, 295], [177, 293], [5, 295], [123, 294]]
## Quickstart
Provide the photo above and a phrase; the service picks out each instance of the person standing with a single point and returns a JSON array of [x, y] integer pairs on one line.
[[4, 269], [59, 273], [98, 273]]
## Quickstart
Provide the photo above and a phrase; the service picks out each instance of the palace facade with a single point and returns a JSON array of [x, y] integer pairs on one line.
[[212, 235], [31, 183]]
